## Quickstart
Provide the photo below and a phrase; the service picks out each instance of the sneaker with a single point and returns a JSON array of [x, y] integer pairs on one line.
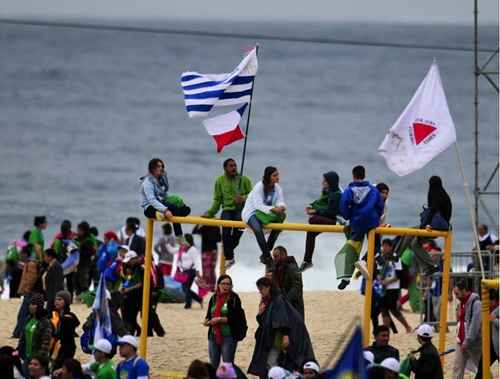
[[305, 266], [229, 263], [343, 284], [363, 269]]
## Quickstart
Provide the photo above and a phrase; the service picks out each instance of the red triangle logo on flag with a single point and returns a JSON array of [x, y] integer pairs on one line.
[[422, 131]]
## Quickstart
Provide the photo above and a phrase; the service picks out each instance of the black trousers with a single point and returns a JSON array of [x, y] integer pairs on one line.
[[150, 212], [130, 309], [190, 295], [231, 236]]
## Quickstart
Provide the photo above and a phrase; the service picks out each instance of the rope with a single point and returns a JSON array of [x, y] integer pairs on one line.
[[468, 200], [201, 33]]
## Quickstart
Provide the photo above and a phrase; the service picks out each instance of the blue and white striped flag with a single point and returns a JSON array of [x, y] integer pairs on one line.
[[202, 92]]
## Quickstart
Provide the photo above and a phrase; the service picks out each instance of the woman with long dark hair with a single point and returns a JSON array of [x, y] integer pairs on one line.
[[226, 322], [281, 338], [265, 204], [64, 323]]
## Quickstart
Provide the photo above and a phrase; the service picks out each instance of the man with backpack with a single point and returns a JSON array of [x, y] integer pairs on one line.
[[132, 366], [469, 328]]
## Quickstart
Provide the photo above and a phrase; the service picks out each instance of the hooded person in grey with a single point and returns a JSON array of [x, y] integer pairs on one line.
[[322, 211]]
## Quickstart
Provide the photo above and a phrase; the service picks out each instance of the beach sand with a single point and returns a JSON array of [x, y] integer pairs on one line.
[[327, 314]]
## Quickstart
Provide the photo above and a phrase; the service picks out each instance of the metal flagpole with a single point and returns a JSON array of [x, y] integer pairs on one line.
[[248, 118]]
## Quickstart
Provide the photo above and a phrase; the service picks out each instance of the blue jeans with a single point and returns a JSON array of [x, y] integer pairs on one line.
[[265, 246], [227, 350]]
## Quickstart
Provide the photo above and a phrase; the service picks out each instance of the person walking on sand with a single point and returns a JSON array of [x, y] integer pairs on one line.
[[363, 206], [154, 199], [230, 193], [226, 322], [265, 204], [280, 329], [390, 270], [188, 261], [322, 211]]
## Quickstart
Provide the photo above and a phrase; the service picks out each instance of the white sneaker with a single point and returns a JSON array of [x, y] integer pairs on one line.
[[363, 269], [229, 263]]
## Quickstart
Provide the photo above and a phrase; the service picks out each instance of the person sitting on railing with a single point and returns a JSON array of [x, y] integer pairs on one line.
[[436, 216], [362, 204], [322, 211], [265, 204], [154, 197], [230, 193]]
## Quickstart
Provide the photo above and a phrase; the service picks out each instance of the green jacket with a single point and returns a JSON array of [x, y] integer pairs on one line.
[[225, 190]]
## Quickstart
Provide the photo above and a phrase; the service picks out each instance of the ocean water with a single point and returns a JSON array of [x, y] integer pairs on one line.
[[83, 111]]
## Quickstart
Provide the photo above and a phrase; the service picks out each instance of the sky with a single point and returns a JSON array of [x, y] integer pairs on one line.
[[383, 11]]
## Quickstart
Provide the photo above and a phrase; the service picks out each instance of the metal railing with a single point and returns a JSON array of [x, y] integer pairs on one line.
[[305, 228]]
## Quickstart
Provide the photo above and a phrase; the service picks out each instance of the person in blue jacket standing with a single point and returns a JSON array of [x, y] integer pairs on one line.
[[363, 206]]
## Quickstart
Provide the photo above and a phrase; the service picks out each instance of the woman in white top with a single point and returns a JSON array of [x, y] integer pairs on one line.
[[266, 197], [189, 263]]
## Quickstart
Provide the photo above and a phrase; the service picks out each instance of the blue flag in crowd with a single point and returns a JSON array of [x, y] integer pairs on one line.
[[202, 92], [103, 318], [351, 364]]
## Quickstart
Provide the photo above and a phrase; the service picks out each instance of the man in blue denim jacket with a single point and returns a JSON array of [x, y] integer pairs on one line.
[[154, 189]]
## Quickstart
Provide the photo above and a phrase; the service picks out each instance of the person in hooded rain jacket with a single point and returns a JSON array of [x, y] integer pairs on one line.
[[288, 278], [322, 211], [281, 337], [363, 206]]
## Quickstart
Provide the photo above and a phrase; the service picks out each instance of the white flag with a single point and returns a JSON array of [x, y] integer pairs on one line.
[[423, 130]]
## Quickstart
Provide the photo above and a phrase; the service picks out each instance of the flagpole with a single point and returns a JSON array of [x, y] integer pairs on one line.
[[248, 119], [468, 200]]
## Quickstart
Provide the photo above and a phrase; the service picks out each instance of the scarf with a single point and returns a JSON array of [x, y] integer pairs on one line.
[[220, 300], [461, 320]]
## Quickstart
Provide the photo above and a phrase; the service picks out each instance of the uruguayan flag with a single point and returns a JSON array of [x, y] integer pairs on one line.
[[202, 92]]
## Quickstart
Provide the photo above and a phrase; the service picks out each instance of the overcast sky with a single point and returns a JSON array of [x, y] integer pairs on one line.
[[413, 11]]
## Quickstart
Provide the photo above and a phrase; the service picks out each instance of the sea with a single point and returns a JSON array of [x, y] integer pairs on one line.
[[82, 111]]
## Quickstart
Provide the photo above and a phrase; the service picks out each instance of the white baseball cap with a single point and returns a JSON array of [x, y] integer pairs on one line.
[[311, 365], [103, 345], [129, 340], [425, 330], [277, 372], [131, 254], [391, 364]]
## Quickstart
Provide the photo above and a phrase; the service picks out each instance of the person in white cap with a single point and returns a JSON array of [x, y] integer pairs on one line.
[[133, 366], [310, 370], [428, 365], [102, 368], [391, 368]]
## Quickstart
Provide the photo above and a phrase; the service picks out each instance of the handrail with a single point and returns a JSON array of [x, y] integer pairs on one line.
[[397, 231]]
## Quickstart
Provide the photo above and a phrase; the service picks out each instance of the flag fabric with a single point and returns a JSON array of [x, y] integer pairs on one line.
[[225, 129], [202, 92], [351, 363], [424, 129], [102, 327]]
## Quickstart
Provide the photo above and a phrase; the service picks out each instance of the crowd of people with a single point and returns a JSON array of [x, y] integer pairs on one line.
[[52, 277]]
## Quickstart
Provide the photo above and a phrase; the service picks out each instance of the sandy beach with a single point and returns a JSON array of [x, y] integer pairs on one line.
[[327, 315]]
